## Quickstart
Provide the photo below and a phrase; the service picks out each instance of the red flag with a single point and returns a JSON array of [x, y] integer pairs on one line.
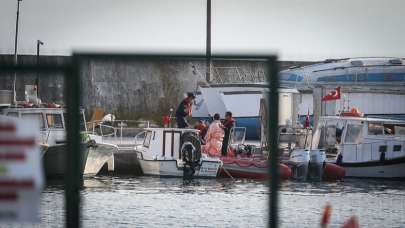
[[307, 121], [332, 95], [166, 121]]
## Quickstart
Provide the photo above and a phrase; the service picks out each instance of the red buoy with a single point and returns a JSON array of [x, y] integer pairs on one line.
[[285, 171]]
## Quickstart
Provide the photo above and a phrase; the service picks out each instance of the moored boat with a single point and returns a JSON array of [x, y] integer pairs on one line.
[[124, 135], [364, 147], [53, 143], [175, 152]]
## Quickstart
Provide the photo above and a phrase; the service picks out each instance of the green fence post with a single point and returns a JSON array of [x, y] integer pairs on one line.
[[73, 178], [272, 79]]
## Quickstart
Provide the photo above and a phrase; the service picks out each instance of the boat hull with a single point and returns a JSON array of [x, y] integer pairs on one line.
[[388, 169], [98, 156], [170, 168], [54, 160], [245, 168], [126, 162], [233, 170]]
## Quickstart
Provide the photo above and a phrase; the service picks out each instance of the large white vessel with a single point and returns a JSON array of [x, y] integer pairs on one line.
[[380, 79], [365, 147], [244, 101], [174, 152]]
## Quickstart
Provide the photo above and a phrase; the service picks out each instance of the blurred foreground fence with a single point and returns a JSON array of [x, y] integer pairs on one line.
[[73, 93]]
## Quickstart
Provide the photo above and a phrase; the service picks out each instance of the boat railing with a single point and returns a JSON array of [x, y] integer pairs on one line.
[[124, 133]]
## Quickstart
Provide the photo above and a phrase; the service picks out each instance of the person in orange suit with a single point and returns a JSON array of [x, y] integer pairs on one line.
[[214, 138]]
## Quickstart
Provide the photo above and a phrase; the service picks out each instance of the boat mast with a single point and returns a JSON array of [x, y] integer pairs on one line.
[[15, 51], [208, 43]]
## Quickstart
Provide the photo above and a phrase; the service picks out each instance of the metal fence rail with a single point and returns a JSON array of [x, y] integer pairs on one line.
[[71, 72]]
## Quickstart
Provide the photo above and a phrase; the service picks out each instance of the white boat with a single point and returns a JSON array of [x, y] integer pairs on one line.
[[244, 101], [125, 135], [365, 147], [53, 141], [174, 152]]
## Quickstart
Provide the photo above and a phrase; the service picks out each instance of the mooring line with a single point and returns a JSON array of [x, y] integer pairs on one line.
[[226, 171]]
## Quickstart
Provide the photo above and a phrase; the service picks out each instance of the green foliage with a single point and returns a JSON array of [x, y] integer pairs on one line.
[[84, 136]]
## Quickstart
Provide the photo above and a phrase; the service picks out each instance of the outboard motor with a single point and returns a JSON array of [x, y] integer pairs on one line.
[[299, 160], [316, 164], [190, 154]]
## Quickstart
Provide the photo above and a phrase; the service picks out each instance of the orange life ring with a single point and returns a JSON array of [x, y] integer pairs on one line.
[[354, 112]]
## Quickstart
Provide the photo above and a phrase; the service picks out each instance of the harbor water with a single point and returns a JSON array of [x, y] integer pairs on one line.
[[157, 202]]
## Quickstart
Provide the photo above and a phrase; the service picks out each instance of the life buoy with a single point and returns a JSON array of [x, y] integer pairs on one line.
[[354, 112]]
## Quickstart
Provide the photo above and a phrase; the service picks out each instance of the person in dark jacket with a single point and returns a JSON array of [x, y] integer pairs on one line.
[[184, 110], [228, 124], [203, 128]]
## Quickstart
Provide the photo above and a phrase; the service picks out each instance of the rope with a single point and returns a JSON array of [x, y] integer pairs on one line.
[[227, 173]]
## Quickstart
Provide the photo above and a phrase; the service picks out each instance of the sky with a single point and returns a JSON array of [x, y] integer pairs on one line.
[[300, 30]]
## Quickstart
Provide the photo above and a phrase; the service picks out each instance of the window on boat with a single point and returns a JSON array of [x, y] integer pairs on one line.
[[394, 129], [54, 120], [375, 129], [330, 135], [12, 114], [354, 133], [399, 130], [397, 148], [146, 141], [82, 121], [339, 131], [37, 117]]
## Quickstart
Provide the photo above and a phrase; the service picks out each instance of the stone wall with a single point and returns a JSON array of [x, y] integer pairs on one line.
[[134, 89]]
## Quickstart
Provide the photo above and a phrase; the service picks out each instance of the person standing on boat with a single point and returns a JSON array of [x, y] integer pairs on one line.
[[214, 138], [184, 110], [228, 125]]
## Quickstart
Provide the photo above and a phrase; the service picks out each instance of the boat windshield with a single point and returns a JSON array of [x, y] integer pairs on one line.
[[354, 134], [54, 120], [146, 141], [36, 117], [82, 121]]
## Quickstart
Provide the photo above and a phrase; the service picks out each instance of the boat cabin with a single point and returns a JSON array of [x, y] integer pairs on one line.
[[359, 139], [163, 143], [52, 122]]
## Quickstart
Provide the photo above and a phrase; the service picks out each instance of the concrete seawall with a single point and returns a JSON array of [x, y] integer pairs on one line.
[[134, 89]]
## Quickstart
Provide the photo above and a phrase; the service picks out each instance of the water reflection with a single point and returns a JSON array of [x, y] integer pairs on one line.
[[163, 202]]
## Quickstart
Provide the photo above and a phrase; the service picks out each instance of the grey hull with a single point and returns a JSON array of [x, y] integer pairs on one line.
[[54, 160]]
